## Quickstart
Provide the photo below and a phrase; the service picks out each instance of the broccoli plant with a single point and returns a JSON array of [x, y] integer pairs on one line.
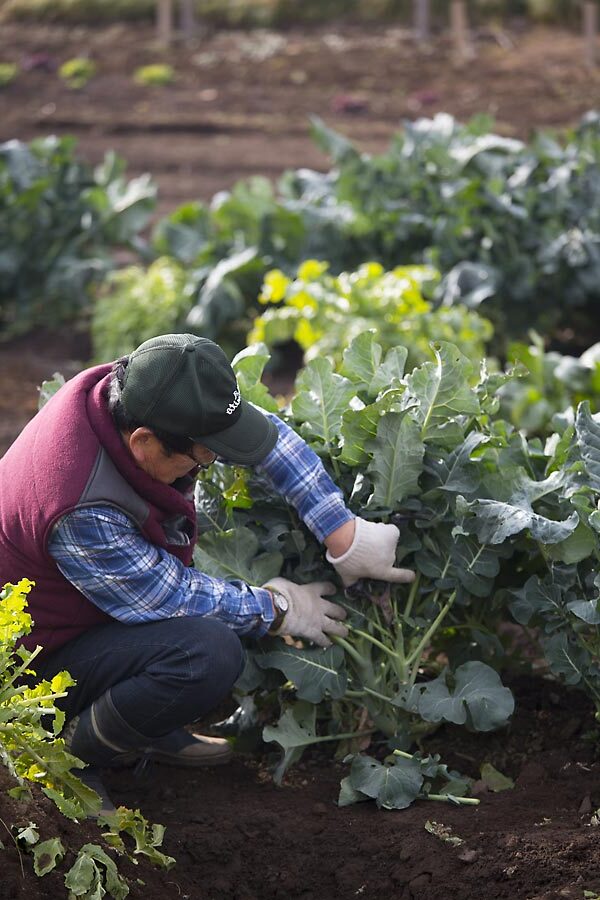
[[60, 221], [481, 510]]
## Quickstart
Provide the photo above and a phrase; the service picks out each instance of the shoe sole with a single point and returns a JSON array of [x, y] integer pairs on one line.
[[191, 762]]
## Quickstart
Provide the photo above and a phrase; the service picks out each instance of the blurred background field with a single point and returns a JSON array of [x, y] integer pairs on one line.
[[231, 101], [404, 214], [286, 12], [239, 99]]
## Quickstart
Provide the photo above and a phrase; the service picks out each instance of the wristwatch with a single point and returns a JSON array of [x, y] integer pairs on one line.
[[281, 605]]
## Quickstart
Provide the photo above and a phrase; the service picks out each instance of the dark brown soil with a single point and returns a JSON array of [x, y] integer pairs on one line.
[[239, 107], [25, 364], [236, 835], [241, 101]]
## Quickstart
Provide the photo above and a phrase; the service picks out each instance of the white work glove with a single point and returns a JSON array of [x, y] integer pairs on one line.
[[309, 615], [371, 554]]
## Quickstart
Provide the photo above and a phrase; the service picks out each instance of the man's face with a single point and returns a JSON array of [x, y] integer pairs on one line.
[[162, 465]]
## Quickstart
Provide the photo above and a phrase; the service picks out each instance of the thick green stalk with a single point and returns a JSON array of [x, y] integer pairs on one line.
[[403, 754], [41, 710], [470, 801], [25, 701], [393, 648], [402, 668], [350, 650], [373, 640], [332, 459], [445, 798], [417, 653], [360, 612], [411, 597], [42, 763], [415, 656], [376, 694], [399, 642]]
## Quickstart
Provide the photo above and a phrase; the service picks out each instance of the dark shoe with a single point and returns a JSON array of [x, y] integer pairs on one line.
[[180, 748], [100, 737]]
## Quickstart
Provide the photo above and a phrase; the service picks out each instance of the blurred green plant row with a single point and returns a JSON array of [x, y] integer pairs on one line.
[[283, 12], [77, 72], [513, 229], [61, 219], [454, 233]]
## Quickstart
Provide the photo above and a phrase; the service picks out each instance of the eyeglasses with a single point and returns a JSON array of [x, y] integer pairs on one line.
[[202, 464]]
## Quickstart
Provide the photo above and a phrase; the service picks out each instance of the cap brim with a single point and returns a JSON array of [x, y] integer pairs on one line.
[[247, 442]]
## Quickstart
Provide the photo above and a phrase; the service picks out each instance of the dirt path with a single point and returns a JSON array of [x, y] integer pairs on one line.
[[237, 836], [241, 101]]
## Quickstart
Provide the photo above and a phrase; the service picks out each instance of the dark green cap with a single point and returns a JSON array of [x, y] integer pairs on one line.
[[184, 385]]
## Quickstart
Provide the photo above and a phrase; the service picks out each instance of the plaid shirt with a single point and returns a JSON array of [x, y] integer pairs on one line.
[[101, 551]]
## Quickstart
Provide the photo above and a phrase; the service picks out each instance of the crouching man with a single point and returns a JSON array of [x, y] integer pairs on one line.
[[96, 507]]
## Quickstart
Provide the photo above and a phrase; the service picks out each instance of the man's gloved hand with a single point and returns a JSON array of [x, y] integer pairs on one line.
[[371, 554], [309, 615]]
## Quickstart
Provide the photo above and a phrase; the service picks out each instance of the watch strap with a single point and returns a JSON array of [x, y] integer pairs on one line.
[[279, 613]]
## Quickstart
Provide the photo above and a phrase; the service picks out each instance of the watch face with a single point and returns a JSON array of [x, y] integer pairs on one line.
[[281, 602]]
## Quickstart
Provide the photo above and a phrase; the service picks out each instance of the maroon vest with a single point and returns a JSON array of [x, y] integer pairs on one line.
[[71, 455]]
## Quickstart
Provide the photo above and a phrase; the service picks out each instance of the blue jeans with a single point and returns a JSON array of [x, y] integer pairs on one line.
[[161, 675]]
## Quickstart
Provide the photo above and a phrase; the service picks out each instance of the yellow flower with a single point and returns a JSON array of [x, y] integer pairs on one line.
[[312, 269], [274, 287]]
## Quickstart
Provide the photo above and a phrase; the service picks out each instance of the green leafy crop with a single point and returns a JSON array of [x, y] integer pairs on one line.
[[511, 227], [155, 74], [77, 72], [138, 304], [94, 873], [60, 220], [29, 718], [550, 386], [492, 522], [31, 749], [508, 224]]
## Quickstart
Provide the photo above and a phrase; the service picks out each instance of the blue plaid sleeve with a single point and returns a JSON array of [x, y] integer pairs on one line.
[[296, 472], [103, 554]]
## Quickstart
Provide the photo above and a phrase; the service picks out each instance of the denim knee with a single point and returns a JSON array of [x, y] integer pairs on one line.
[[212, 649], [198, 663]]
